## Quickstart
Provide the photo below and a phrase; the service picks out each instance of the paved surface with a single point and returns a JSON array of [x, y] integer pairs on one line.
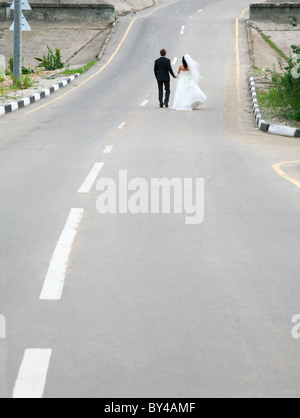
[[124, 6], [150, 306]]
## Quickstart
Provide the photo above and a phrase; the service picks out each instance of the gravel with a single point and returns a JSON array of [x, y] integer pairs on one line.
[[263, 83], [42, 81]]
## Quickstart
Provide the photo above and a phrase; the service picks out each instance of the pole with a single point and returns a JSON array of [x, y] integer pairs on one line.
[[18, 40]]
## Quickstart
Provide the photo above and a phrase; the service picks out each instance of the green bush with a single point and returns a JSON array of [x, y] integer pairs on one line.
[[285, 92], [293, 21], [10, 68], [295, 115], [23, 84], [51, 61]]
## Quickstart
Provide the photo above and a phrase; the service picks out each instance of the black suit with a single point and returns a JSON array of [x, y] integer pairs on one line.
[[162, 71]]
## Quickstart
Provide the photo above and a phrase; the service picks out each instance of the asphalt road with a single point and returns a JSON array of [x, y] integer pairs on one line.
[[149, 306]]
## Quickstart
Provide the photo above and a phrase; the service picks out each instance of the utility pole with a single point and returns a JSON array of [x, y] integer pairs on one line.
[[19, 25], [18, 39]]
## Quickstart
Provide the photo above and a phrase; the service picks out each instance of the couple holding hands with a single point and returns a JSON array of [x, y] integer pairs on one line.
[[188, 95]]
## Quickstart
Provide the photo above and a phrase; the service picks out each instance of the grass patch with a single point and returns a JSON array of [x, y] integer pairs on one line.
[[280, 95], [258, 72], [271, 44], [275, 47], [272, 105], [80, 70], [11, 85]]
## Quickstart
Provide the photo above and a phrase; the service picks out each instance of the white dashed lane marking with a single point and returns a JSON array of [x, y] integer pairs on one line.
[[31, 380], [122, 125], [89, 181], [108, 149], [55, 278]]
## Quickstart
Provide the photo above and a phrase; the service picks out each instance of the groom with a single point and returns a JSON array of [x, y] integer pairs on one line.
[[162, 70]]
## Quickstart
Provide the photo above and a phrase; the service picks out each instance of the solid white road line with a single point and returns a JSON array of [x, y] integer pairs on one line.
[[55, 279], [182, 30], [145, 102], [89, 181], [108, 149], [122, 126], [174, 61], [31, 380]]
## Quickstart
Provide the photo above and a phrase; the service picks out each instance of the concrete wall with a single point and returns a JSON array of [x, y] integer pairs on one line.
[[274, 12], [4, 11], [71, 13], [282, 1], [127, 6]]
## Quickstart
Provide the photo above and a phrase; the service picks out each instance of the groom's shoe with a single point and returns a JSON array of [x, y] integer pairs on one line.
[[167, 106], [161, 106]]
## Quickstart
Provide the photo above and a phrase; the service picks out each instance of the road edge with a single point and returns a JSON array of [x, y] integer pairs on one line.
[[13, 106], [26, 101], [265, 126], [261, 123]]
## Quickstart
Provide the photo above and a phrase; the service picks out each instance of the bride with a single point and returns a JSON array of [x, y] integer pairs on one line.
[[188, 95]]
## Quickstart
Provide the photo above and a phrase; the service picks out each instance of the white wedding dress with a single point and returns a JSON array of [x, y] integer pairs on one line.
[[188, 95]]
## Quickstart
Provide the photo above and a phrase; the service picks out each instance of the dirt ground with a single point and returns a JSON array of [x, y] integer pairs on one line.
[[264, 56], [78, 45]]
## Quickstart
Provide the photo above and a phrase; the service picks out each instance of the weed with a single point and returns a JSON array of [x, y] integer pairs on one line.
[[275, 47], [79, 70], [23, 84], [51, 61], [283, 96], [294, 114], [293, 21], [10, 69]]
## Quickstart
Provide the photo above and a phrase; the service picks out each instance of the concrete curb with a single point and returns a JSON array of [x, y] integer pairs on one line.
[[265, 126], [11, 107], [104, 47]]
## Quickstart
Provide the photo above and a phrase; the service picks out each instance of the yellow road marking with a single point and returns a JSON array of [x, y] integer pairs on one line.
[[238, 66], [92, 76], [243, 12], [277, 168], [104, 66], [158, 8]]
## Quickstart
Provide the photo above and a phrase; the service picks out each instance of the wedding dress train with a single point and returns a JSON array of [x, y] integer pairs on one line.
[[188, 95]]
